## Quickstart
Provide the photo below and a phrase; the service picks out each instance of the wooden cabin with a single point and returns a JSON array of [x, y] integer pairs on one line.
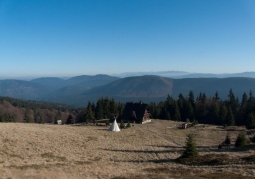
[[137, 112]]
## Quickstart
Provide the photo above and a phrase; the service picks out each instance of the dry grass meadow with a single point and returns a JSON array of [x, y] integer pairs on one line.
[[34, 151]]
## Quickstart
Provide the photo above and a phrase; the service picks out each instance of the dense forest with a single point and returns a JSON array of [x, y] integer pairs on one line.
[[18, 110], [104, 108], [208, 110], [200, 109]]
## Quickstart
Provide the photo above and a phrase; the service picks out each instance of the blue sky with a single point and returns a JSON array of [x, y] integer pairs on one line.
[[76, 37]]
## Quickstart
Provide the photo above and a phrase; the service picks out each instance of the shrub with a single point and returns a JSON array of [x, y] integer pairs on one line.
[[241, 140], [227, 141], [194, 122], [122, 125], [128, 124]]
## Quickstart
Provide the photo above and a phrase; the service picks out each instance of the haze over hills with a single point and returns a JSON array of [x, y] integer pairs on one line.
[[79, 90], [183, 74]]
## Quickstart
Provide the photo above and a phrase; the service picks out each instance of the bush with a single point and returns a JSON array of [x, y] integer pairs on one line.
[[194, 122], [241, 140], [128, 124], [191, 150], [122, 125], [227, 141]]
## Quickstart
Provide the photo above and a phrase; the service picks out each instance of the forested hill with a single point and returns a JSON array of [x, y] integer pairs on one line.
[[79, 90], [18, 110], [155, 88]]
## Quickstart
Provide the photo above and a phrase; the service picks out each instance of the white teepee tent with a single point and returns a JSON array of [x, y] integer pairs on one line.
[[114, 127]]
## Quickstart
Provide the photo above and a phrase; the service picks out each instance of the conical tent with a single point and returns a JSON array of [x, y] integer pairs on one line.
[[114, 127]]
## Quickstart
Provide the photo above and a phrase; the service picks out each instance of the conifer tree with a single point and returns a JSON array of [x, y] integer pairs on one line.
[[230, 120], [26, 116], [227, 140], [122, 125], [223, 114], [241, 140], [191, 150], [250, 124]]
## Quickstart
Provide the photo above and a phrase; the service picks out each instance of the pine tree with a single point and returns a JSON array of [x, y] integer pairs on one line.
[[227, 140], [122, 125], [89, 114], [215, 112], [250, 124], [191, 114], [230, 120], [241, 140], [191, 150], [177, 115], [216, 97], [26, 116], [99, 112], [69, 119], [223, 114]]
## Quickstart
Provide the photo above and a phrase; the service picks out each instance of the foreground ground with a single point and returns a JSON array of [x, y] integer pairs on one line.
[[144, 151]]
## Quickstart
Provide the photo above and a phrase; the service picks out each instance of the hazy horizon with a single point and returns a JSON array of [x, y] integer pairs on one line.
[[170, 73]]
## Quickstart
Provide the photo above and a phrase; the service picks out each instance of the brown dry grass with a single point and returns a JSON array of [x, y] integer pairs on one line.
[[145, 151]]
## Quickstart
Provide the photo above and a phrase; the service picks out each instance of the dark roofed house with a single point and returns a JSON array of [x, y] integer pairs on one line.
[[137, 112]]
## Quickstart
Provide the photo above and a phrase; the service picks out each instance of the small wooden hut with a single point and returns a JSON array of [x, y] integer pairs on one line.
[[137, 112]]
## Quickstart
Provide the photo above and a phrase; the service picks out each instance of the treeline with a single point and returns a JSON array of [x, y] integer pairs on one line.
[[208, 110], [18, 110], [34, 105], [104, 108]]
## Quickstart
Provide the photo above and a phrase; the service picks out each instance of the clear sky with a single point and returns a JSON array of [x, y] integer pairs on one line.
[[77, 37]]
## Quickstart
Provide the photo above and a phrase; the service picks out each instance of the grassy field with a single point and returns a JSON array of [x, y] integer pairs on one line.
[[144, 151]]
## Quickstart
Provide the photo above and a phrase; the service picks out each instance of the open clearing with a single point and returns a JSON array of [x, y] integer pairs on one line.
[[144, 151]]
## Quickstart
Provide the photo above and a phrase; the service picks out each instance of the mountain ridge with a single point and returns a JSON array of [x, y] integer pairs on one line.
[[79, 90]]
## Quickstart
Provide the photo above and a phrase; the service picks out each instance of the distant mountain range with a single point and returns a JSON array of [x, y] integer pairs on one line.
[[79, 90], [183, 74]]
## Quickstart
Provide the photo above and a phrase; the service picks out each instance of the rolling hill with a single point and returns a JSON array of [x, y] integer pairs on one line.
[[79, 90], [155, 88]]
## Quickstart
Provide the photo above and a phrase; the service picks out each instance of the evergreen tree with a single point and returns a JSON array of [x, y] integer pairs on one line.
[[191, 150], [191, 114], [41, 120], [168, 117], [233, 102], [26, 116], [216, 97], [230, 120], [215, 113], [241, 140], [242, 112], [69, 119], [99, 112], [250, 124], [89, 114], [204, 98], [177, 115], [122, 125], [223, 114], [113, 108], [227, 140], [191, 99]]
